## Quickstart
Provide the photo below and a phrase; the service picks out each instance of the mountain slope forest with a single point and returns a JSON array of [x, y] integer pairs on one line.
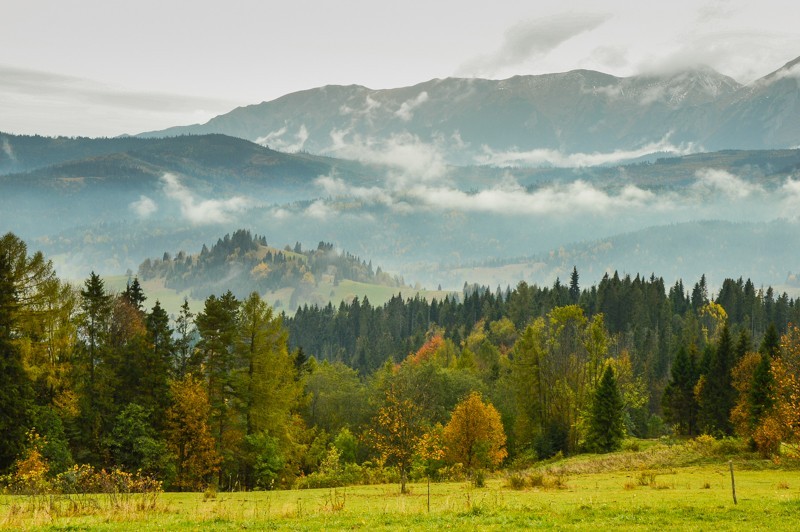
[[242, 263], [240, 397]]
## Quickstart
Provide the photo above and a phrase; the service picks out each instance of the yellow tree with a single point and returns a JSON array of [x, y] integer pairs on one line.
[[783, 422], [189, 436], [397, 429], [474, 436]]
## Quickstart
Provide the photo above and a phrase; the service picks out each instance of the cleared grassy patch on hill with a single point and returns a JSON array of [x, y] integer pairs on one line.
[[322, 294]]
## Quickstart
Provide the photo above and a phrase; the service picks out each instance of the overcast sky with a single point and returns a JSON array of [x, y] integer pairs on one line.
[[103, 68]]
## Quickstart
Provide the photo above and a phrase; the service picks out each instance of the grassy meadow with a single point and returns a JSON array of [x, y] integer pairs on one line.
[[323, 293], [628, 491]]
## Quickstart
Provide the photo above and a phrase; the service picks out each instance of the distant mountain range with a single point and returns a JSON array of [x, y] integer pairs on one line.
[[530, 119]]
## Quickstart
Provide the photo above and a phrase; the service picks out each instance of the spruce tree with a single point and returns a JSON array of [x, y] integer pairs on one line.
[[771, 343], [15, 389], [760, 396], [717, 394], [606, 427], [678, 401], [574, 289]]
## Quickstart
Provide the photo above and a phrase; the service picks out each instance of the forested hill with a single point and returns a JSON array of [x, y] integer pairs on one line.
[[243, 263], [646, 319]]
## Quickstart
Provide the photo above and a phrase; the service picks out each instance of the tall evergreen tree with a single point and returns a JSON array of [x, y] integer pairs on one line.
[[134, 294], [216, 358], [574, 289], [717, 395], [93, 334], [606, 425], [184, 329], [679, 402], [760, 399], [771, 343], [15, 389]]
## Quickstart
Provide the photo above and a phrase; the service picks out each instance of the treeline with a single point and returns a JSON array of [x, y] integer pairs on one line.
[[243, 263], [238, 397], [644, 318]]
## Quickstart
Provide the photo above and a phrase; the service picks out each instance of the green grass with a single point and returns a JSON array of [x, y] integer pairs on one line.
[[686, 498], [324, 292], [155, 290]]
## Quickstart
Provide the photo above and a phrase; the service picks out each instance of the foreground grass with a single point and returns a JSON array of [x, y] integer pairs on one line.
[[686, 498]]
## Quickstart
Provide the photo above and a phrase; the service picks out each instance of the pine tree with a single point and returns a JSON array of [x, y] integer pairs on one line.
[[771, 343], [760, 397], [606, 425], [15, 390], [574, 289], [717, 395], [134, 294], [679, 402], [184, 328]]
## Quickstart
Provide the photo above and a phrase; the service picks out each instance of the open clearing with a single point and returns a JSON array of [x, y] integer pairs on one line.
[[688, 498]]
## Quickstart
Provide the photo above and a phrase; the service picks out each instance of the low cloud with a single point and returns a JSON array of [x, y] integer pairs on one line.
[[202, 212], [790, 198], [532, 39], [8, 150], [333, 186], [406, 111], [711, 183], [575, 197], [144, 207], [409, 158], [548, 157], [277, 140]]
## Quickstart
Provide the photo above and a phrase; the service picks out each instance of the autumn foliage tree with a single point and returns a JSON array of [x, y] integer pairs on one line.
[[782, 424], [474, 436], [189, 436], [397, 429]]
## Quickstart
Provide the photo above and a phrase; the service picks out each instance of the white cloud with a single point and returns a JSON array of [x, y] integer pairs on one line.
[[320, 210], [721, 183], [411, 159], [144, 207], [201, 212], [557, 158], [406, 110], [334, 186], [8, 151], [276, 140], [531, 39], [577, 197], [790, 198]]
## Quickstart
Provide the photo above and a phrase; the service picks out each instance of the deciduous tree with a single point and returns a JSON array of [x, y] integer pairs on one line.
[[474, 436]]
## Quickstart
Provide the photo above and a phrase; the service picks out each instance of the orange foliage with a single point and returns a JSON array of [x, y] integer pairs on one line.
[[428, 350], [474, 436]]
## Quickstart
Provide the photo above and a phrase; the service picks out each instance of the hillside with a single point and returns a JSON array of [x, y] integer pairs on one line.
[[243, 263]]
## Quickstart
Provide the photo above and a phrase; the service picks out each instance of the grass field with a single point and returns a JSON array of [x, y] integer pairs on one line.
[[171, 300], [687, 498]]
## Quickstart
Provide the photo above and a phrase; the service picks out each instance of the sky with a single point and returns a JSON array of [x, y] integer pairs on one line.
[[105, 68]]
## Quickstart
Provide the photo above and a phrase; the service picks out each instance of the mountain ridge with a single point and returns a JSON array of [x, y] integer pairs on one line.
[[471, 120]]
